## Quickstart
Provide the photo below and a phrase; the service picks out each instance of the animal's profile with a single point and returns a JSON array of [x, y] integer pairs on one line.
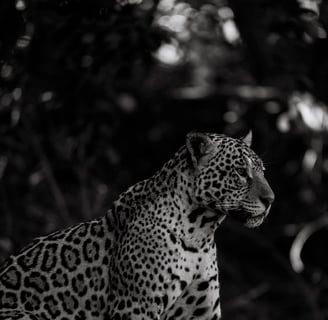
[[153, 255]]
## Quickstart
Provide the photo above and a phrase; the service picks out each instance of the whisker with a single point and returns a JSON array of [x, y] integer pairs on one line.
[[226, 206], [266, 163], [228, 203]]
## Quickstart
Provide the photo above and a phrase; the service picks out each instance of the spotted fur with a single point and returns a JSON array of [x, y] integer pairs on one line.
[[153, 255]]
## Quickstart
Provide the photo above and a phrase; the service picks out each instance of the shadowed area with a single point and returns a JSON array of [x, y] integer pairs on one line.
[[97, 95]]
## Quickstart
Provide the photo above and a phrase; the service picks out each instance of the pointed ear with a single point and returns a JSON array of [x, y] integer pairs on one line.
[[248, 138], [199, 146]]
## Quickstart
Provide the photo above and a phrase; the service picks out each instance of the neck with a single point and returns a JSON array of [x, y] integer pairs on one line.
[[169, 201]]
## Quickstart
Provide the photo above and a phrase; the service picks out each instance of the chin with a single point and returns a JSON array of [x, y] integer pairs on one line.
[[248, 219], [254, 222]]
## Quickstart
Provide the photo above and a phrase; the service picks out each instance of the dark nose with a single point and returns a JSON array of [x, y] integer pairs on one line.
[[267, 199]]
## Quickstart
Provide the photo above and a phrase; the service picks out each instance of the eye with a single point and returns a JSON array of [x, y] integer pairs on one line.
[[242, 172]]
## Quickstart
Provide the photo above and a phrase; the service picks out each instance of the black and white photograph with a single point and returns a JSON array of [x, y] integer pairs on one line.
[[163, 159]]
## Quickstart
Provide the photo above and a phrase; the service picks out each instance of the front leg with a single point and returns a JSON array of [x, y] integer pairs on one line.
[[200, 300], [145, 304], [128, 308]]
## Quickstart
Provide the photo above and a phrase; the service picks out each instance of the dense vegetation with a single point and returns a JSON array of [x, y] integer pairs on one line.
[[96, 95]]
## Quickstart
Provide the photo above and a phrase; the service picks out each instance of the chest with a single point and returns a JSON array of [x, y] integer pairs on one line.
[[162, 262]]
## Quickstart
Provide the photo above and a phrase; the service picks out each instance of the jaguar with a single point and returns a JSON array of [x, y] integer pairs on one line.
[[153, 254]]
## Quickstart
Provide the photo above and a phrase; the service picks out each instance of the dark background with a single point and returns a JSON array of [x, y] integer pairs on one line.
[[97, 95]]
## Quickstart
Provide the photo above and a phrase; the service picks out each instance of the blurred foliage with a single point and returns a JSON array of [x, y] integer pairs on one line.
[[96, 95]]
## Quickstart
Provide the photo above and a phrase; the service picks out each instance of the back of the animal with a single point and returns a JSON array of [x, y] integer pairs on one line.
[[60, 276]]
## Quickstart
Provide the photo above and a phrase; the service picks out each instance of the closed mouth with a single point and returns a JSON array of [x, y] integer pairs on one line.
[[256, 218], [244, 216]]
